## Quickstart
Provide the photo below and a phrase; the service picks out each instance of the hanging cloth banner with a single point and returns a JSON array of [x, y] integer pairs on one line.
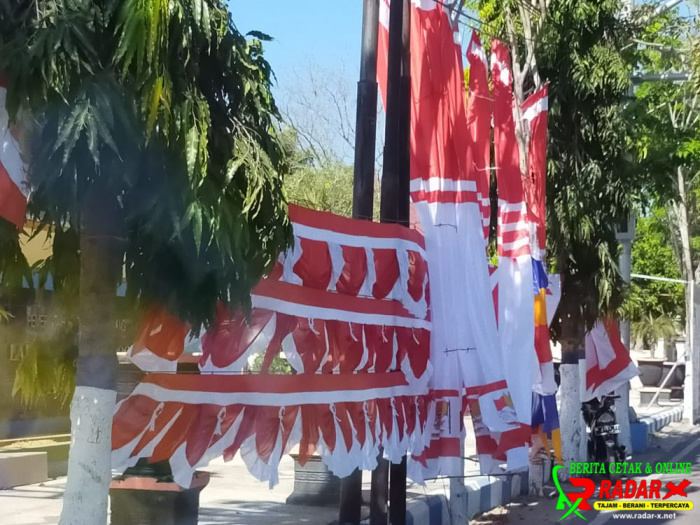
[[190, 419], [608, 363], [445, 194], [13, 183], [348, 304], [479, 126], [515, 302], [534, 111], [348, 296]]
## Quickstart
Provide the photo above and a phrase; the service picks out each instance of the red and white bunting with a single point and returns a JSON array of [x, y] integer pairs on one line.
[[349, 306], [191, 419]]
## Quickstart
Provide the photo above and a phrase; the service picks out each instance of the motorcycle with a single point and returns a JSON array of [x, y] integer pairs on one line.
[[603, 445]]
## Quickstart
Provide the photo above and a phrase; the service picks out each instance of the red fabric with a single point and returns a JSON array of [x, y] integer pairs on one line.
[[438, 115], [310, 433], [542, 347], [139, 410], [229, 339], [409, 409], [537, 164], [416, 345], [380, 347], [161, 333], [505, 146], [354, 271], [479, 125], [326, 421], [13, 204], [176, 434], [310, 344], [267, 428], [418, 268], [386, 417], [595, 375], [245, 430], [302, 295], [288, 420], [386, 266], [345, 348], [510, 183], [202, 433], [284, 325], [314, 266], [357, 415], [354, 227]]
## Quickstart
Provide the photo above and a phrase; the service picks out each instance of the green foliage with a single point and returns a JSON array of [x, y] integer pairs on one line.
[[652, 255], [168, 106], [324, 186], [582, 51], [647, 330], [279, 365], [46, 371]]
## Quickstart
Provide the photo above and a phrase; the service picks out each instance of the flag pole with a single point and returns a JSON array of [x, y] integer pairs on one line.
[[397, 478], [350, 507]]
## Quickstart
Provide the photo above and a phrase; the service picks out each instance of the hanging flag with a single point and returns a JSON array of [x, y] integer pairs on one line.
[[608, 363], [534, 111], [515, 289], [13, 186], [479, 126], [445, 191]]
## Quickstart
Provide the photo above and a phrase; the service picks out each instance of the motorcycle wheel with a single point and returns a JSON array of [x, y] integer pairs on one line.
[[610, 457]]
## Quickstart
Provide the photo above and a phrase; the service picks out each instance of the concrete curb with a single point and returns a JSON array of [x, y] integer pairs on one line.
[[483, 494], [657, 421]]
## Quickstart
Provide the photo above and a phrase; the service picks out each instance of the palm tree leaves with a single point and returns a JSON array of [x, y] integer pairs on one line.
[[170, 104]]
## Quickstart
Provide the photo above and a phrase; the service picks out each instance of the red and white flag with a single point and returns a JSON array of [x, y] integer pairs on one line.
[[13, 185], [449, 190], [516, 312], [608, 363]]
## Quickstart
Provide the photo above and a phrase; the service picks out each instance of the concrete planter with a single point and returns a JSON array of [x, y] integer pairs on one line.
[[314, 484], [651, 371], [678, 376], [143, 500]]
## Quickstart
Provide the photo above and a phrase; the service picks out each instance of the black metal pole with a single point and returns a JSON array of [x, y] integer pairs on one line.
[[395, 191], [397, 479], [391, 186], [366, 124], [379, 493], [389, 212], [350, 508]]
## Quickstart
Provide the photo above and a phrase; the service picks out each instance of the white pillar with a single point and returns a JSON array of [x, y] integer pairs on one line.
[[571, 422], [691, 386], [622, 405]]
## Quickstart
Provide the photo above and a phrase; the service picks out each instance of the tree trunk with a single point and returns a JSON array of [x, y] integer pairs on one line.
[[85, 501], [572, 372]]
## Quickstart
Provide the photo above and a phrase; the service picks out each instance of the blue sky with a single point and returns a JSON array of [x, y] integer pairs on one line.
[[323, 32]]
